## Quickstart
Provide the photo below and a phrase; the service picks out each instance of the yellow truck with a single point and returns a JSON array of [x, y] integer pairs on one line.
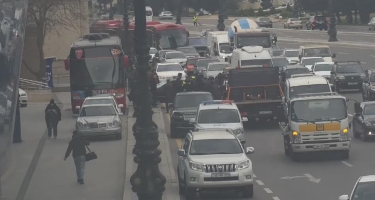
[[316, 123]]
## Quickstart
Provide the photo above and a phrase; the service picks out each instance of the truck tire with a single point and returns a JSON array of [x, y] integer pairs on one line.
[[248, 191]]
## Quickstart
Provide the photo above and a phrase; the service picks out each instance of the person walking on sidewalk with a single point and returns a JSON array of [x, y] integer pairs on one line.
[[78, 146], [52, 117]]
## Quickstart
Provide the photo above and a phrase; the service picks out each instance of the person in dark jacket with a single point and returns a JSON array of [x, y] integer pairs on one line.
[[153, 88], [52, 117], [177, 84], [78, 146], [169, 94], [214, 89]]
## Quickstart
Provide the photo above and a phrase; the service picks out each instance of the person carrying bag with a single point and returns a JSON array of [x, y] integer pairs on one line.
[[78, 145]]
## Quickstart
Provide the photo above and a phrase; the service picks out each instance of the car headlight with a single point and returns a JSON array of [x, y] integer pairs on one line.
[[367, 123], [244, 165], [116, 123], [344, 136], [177, 115], [238, 131], [340, 77], [196, 166], [80, 125], [119, 95], [296, 137]]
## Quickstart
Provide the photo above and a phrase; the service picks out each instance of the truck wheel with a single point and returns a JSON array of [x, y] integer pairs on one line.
[[345, 154], [248, 191], [190, 192]]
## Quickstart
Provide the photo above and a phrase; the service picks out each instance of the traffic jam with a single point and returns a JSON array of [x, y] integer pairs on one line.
[[223, 81]]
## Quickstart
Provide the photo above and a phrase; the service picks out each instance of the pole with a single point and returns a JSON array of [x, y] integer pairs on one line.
[[332, 32], [178, 12], [221, 26], [126, 26], [148, 182]]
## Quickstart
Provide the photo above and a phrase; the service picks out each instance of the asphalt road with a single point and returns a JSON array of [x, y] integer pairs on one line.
[[319, 176]]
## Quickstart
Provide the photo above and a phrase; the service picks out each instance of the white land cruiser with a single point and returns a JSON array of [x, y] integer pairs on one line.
[[220, 114], [214, 160]]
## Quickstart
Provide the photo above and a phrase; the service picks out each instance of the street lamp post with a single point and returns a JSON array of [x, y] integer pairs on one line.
[[332, 32], [148, 182], [178, 12], [221, 26]]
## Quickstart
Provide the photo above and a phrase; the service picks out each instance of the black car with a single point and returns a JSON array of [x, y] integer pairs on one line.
[[364, 120], [200, 44], [264, 22], [190, 52], [317, 22], [347, 75], [185, 108], [368, 88]]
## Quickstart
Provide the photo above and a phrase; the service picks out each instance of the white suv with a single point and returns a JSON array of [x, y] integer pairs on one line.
[[214, 160], [220, 114]]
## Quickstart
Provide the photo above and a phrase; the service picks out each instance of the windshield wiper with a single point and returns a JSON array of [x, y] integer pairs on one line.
[[303, 120], [328, 119]]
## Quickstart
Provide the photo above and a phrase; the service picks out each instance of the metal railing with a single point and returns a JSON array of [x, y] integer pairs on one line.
[[31, 85]]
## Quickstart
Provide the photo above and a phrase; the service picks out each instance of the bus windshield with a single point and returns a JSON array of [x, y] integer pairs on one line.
[[263, 41], [96, 69], [180, 35]]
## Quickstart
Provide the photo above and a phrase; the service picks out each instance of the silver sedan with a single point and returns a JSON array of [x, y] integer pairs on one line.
[[99, 120]]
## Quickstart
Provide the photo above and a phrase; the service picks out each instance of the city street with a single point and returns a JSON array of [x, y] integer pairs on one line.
[[318, 176]]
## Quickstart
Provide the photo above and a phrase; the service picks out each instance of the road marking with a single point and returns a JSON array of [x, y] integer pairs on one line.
[[372, 56], [269, 191], [259, 182], [275, 198], [292, 177], [343, 53], [347, 164], [312, 179]]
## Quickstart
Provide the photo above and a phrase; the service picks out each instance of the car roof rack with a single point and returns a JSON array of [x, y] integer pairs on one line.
[[347, 62], [215, 102], [317, 94]]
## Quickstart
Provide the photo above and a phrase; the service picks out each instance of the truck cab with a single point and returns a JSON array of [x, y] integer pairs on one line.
[[220, 47], [316, 122], [250, 56], [303, 84]]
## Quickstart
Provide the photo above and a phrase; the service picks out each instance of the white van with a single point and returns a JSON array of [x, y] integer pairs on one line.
[[149, 14], [251, 56], [221, 47]]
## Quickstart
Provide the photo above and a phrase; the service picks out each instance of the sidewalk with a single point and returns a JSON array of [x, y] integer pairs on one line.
[[166, 165]]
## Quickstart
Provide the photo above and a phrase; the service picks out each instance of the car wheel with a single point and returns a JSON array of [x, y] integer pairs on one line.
[[248, 191], [173, 132], [190, 192], [181, 188], [345, 154]]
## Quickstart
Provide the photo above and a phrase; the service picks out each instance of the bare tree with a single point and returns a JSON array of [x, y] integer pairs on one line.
[[46, 16]]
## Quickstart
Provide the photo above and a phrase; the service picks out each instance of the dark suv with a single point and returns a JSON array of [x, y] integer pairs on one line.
[[183, 109], [347, 75], [317, 22]]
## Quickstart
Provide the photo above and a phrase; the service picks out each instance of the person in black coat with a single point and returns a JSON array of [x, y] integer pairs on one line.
[[52, 117], [78, 146], [169, 94]]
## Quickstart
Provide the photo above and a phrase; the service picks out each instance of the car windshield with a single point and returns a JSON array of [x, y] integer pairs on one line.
[[198, 41], [291, 53], [192, 61], [323, 67], [175, 55], [256, 63], [345, 69], [215, 146], [153, 51], [203, 64], [92, 111], [311, 61], [317, 52], [290, 72], [166, 68], [225, 48], [316, 110], [188, 50], [95, 68], [218, 116], [217, 67], [179, 35], [98, 101], [191, 101], [264, 19], [277, 52], [364, 191], [263, 41], [167, 12], [303, 89], [279, 62], [369, 109]]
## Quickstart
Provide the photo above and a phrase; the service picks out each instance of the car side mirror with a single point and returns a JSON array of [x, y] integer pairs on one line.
[[121, 105], [181, 152], [344, 197], [334, 55], [245, 119], [192, 121], [78, 107], [250, 150], [357, 107]]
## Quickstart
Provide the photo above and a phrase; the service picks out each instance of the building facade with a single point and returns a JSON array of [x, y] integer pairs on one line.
[[13, 22]]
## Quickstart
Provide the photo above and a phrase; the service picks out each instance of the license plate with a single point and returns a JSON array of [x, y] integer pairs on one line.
[[352, 83], [218, 175], [265, 112], [321, 146]]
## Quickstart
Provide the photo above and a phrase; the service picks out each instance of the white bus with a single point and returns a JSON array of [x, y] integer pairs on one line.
[[149, 14]]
